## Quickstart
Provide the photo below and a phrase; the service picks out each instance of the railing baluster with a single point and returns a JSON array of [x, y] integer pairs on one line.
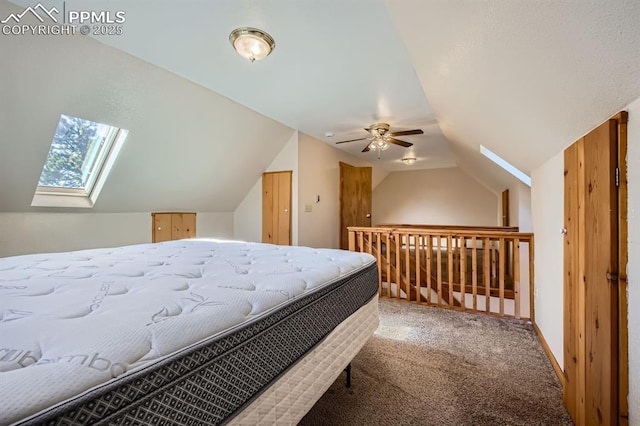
[[474, 273], [398, 267], [361, 241], [407, 265], [516, 277], [450, 268], [379, 259], [487, 274], [454, 258], [370, 246], [439, 269], [463, 272], [418, 252], [352, 241], [388, 265], [428, 262], [501, 267]]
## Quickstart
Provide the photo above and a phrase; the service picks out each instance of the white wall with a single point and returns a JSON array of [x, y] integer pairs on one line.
[[27, 233], [214, 225], [633, 268], [548, 217], [247, 219], [445, 196], [320, 176], [547, 199]]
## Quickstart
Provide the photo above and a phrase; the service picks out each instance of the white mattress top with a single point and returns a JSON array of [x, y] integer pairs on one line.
[[72, 321]]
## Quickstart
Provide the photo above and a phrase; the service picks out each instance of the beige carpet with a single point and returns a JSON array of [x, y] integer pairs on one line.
[[428, 366]]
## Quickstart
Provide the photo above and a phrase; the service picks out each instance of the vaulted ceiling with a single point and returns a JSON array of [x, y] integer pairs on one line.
[[524, 78]]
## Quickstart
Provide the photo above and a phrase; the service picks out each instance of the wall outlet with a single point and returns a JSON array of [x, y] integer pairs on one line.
[[308, 208]]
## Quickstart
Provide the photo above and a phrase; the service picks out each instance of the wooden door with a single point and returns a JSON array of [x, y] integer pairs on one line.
[[172, 226], [355, 199], [505, 208], [183, 225], [161, 230], [591, 278], [276, 207]]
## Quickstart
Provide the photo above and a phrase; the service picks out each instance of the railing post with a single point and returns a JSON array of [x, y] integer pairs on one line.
[[398, 266], [352, 240], [501, 272], [450, 268], [487, 273], [516, 277], [463, 272], [418, 252], [532, 312]]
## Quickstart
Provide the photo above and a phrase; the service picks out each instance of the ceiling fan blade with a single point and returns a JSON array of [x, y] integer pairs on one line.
[[399, 142], [367, 148], [351, 140], [407, 133]]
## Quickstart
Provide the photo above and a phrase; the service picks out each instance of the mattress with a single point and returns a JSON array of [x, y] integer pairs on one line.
[[182, 332]]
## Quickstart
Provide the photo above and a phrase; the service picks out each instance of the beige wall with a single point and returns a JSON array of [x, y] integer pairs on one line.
[[435, 196], [319, 175], [28, 233]]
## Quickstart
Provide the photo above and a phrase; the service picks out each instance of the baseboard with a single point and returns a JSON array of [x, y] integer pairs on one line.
[[552, 358]]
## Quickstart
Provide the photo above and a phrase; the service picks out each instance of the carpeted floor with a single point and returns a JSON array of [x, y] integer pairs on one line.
[[428, 366]]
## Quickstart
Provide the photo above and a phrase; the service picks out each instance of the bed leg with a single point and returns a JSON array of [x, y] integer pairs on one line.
[[348, 371]]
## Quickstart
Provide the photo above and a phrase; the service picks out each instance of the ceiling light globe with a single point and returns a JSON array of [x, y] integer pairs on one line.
[[251, 43], [409, 161]]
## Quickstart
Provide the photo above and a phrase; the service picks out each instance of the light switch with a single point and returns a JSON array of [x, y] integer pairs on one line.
[[307, 208]]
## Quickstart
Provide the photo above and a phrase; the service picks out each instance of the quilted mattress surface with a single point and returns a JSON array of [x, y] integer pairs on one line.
[[70, 322]]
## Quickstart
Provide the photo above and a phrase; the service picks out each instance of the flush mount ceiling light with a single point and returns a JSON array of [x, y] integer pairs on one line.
[[409, 161], [252, 43]]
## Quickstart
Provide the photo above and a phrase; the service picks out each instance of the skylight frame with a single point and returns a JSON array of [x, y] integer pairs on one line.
[[504, 164], [102, 162]]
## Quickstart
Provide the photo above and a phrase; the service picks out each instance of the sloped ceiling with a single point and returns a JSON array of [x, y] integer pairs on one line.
[[188, 148], [524, 78], [338, 66]]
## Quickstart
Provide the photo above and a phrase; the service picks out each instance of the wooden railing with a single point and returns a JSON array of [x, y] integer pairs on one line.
[[470, 269]]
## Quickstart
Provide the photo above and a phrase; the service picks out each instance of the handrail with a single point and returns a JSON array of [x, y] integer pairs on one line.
[[460, 268], [443, 231], [456, 227]]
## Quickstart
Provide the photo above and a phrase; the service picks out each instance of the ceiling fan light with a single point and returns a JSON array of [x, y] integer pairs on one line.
[[382, 145], [409, 161], [252, 43]]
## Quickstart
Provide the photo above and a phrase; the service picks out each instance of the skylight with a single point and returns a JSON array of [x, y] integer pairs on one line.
[[80, 157], [524, 178]]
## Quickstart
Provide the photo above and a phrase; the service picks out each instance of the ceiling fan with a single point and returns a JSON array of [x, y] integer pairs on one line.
[[381, 138]]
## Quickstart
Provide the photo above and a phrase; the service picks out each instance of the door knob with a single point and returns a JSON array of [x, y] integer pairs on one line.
[[368, 215], [286, 210], [159, 228]]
